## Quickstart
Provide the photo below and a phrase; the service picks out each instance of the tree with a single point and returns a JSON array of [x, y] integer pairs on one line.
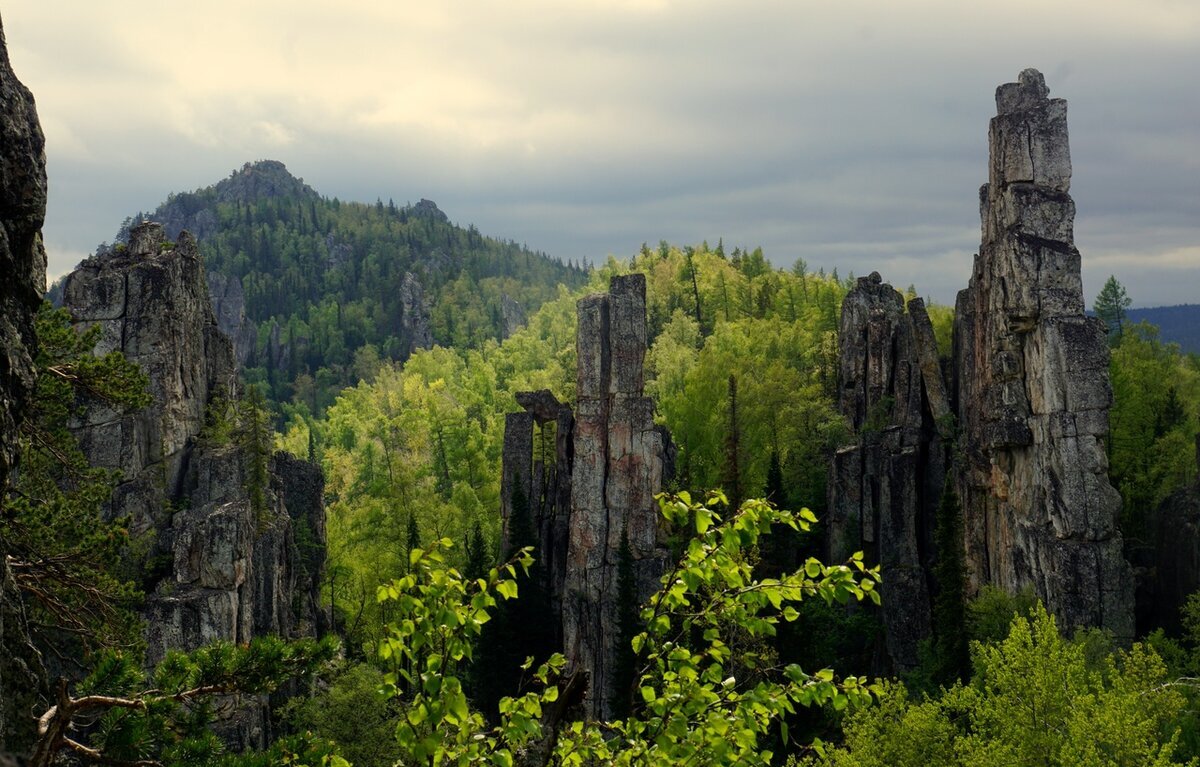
[[695, 709], [63, 555], [732, 474], [1035, 701], [951, 661], [629, 625], [131, 720], [1110, 305]]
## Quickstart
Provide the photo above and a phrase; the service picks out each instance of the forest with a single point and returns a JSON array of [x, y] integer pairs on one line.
[[745, 657]]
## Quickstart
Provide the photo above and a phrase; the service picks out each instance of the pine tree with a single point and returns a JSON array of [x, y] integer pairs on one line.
[[1110, 306], [731, 473], [624, 675], [951, 659]]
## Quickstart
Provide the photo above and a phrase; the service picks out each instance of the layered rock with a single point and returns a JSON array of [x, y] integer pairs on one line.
[[413, 323], [884, 489], [232, 567], [538, 454], [23, 264], [229, 306], [1032, 383], [619, 464], [591, 476]]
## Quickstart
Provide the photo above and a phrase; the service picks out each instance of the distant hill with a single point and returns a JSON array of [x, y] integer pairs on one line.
[[1177, 324], [314, 291]]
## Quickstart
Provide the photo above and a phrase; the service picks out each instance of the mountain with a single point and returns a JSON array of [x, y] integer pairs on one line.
[[316, 291], [1176, 324]]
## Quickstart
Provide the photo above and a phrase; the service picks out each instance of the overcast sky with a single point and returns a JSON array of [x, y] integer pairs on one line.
[[850, 133]]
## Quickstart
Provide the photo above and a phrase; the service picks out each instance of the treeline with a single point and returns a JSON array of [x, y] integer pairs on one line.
[[412, 453], [323, 278]]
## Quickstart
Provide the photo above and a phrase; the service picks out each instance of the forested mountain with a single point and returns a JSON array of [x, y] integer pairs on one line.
[[1176, 324], [329, 288]]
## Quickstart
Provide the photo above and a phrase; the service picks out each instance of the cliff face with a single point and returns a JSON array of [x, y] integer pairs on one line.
[[884, 488], [232, 567], [23, 264], [594, 479], [1032, 380], [1029, 390], [620, 462]]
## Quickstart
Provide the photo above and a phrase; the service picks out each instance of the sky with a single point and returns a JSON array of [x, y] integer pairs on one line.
[[849, 133]]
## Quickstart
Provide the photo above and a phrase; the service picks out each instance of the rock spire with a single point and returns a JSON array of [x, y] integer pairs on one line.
[[596, 482], [1032, 383]]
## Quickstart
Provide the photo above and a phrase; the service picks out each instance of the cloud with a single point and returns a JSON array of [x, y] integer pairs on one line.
[[851, 134]]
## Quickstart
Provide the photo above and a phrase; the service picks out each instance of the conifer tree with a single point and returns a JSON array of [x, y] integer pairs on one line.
[[951, 659], [1110, 305], [624, 676], [731, 478]]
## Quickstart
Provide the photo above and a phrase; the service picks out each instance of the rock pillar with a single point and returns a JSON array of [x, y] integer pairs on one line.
[[619, 462], [1032, 383], [884, 488]]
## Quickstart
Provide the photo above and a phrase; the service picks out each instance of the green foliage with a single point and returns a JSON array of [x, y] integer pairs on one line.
[[354, 713], [63, 554], [1110, 306], [1034, 702], [992, 611], [322, 280], [1153, 424], [166, 718], [695, 709]]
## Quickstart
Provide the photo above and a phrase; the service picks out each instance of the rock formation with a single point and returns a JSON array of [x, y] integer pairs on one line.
[[620, 463], [1032, 383], [231, 567], [537, 468], [229, 306], [885, 488], [1030, 393], [23, 264], [599, 481], [512, 316], [413, 323]]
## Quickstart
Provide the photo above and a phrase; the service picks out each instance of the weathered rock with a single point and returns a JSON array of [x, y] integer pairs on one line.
[[885, 488], [596, 482], [1032, 383], [512, 316], [413, 322], [236, 570], [229, 306], [151, 303], [23, 264], [538, 453], [619, 463]]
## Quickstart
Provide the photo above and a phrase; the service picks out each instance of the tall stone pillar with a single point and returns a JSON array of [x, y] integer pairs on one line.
[[620, 457], [1032, 383]]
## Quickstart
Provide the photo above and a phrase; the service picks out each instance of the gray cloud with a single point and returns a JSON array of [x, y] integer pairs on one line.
[[852, 135]]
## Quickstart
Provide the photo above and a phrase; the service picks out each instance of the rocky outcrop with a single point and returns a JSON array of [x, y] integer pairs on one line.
[[23, 264], [619, 462], [512, 316], [151, 303], [884, 489], [229, 306], [413, 323], [237, 561], [1032, 383], [537, 460], [591, 476]]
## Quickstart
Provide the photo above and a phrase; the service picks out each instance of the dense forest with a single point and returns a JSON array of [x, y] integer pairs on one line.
[[324, 280], [433, 618]]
